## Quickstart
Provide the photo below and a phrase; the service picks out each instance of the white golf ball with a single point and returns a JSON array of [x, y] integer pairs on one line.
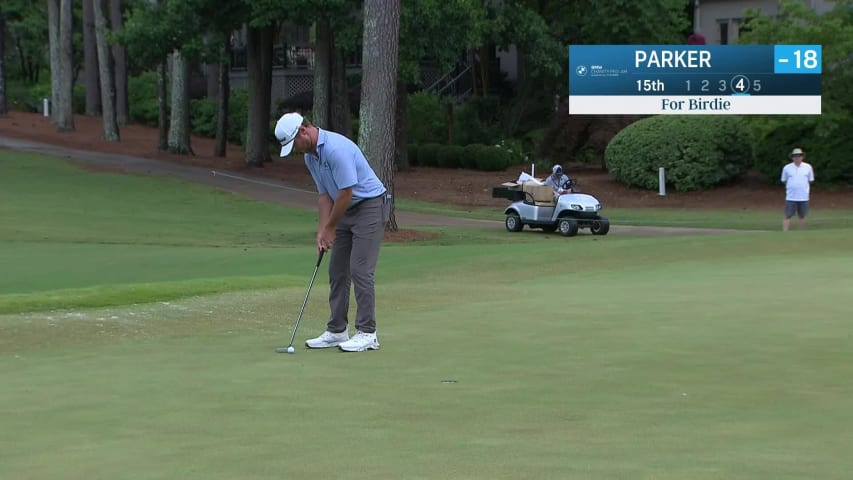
[[291, 350]]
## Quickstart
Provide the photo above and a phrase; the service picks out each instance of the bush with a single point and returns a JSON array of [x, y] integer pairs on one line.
[[450, 156], [428, 154], [771, 151], [492, 159], [514, 151], [412, 153], [698, 152], [426, 118], [78, 100], [204, 114], [477, 121], [829, 154], [142, 98], [469, 155]]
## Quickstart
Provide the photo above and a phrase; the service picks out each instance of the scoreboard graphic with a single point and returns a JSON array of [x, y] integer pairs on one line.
[[695, 79]]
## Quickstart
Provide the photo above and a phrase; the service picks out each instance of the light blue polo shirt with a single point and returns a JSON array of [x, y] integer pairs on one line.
[[340, 164]]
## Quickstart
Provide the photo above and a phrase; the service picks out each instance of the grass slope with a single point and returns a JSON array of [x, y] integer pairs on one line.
[[503, 356]]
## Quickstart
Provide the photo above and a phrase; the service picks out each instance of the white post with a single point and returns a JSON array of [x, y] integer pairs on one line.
[[661, 182], [532, 169], [46, 103]]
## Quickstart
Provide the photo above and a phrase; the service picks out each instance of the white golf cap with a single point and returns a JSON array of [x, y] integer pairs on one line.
[[286, 130], [796, 151]]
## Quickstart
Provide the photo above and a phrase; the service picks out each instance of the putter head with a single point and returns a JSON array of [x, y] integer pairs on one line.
[[285, 350]]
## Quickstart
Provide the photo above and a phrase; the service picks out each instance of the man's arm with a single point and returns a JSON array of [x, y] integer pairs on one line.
[[331, 212]]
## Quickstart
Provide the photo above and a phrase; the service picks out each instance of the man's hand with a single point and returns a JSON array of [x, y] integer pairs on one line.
[[325, 238]]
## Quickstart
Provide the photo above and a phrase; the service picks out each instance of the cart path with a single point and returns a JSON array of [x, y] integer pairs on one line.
[[274, 191]]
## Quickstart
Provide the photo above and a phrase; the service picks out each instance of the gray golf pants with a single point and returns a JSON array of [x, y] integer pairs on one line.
[[355, 252]]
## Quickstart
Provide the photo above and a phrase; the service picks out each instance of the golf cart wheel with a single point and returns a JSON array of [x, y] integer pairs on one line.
[[600, 226], [513, 222], [568, 227]]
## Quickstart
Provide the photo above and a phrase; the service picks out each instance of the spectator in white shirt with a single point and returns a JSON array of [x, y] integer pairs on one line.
[[797, 177]]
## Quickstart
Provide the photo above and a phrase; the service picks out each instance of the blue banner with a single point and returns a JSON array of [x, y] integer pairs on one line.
[[695, 70]]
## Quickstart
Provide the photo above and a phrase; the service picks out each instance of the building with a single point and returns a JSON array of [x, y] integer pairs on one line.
[[719, 21]]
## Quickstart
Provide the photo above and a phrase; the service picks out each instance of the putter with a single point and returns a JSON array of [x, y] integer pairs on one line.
[[289, 348]]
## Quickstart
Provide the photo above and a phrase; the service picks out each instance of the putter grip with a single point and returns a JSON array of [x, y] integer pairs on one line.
[[320, 258]]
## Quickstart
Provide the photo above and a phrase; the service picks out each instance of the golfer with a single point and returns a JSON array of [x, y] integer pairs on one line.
[[797, 177], [352, 222]]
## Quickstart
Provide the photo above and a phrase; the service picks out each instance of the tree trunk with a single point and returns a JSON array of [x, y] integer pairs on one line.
[[53, 42], [22, 60], [90, 61], [321, 113], [212, 80], [259, 65], [224, 98], [179, 125], [106, 74], [211, 71], [64, 107], [472, 61], [4, 109], [120, 66], [339, 108], [401, 128], [378, 91], [485, 69], [162, 113]]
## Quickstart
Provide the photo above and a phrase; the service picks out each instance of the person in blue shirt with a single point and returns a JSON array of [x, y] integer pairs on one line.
[[352, 207]]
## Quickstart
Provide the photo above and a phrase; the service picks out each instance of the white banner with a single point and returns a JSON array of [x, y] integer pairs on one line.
[[694, 105]]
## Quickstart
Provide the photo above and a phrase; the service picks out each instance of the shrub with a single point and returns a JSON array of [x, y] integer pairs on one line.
[[450, 156], [827, 149], [412, 152], [426, 118], [492, 159], [698, 152], [78, 100], [532, 140], [428, 154], [771, 150], [204, 114], [470, 153], [514, 151], [477, 121], [142, 98]]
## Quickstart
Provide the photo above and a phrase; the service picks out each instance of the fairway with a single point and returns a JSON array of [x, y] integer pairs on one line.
[[138, 319]]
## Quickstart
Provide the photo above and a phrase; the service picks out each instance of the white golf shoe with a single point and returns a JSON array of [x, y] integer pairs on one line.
[[360, 342], [328, 340]]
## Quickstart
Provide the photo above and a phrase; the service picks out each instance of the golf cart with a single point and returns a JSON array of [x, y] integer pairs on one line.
[[535, 205]]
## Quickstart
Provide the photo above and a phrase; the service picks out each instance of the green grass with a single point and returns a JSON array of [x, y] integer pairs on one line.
[[592, 357]]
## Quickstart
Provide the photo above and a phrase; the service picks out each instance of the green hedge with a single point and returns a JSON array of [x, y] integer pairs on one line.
[[473, 157], [30, 98], [204, 115], [426, 118], [428, 154], [142, 98], [698, 152], [412, 152], [827, 147]]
